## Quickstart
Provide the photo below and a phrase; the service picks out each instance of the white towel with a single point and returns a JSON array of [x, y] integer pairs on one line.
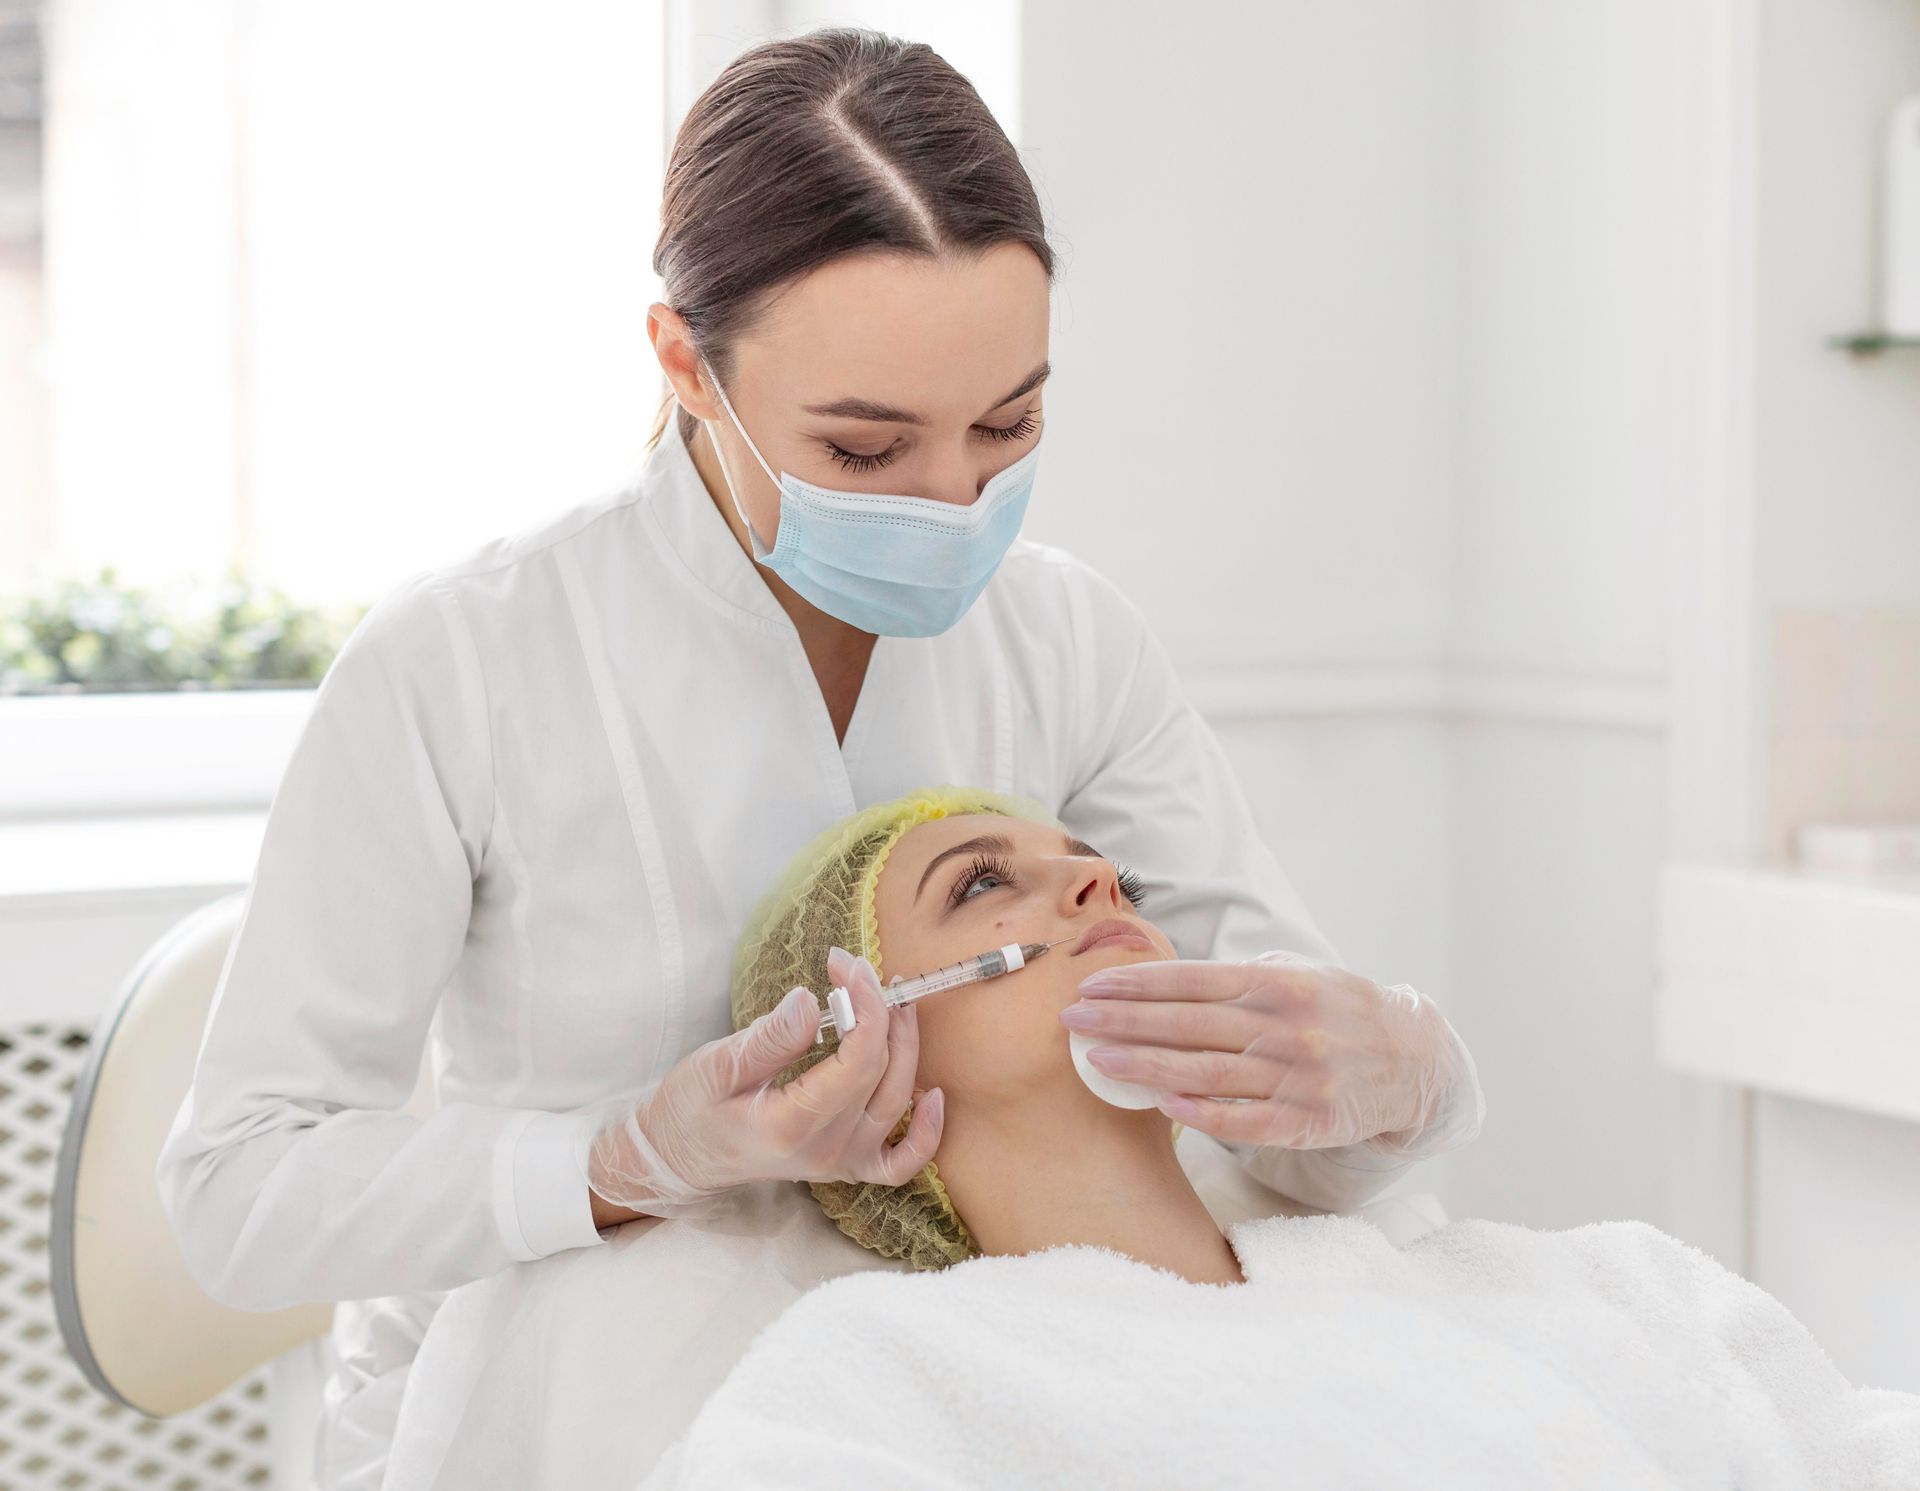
[[1480, 1355], [578, 1369]]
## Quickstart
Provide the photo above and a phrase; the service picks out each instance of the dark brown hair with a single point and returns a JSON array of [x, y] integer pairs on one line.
[[837, 142]]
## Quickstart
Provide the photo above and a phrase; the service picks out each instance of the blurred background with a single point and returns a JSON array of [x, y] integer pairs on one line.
[[1507, 411]]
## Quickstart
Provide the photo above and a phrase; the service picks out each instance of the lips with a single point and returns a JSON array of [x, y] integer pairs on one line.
[[1112, 927]]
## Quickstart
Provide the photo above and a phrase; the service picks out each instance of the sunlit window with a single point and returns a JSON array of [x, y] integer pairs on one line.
[[327, 293]]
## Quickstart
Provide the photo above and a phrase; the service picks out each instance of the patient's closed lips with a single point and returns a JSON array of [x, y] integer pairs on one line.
[[1112, 930]]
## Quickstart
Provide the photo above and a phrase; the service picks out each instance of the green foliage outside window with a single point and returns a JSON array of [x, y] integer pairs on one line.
[[102, 635]]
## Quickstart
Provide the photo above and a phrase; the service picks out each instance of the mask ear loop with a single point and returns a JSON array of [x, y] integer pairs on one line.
[[720, 455]]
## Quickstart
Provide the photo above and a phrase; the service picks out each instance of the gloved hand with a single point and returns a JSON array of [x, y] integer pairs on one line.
[[717, 1120], [1285, 1050]]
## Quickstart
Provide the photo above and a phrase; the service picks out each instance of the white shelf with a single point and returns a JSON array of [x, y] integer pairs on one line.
[[1802, 984], [203, 751], [82, 898], [75, 861]]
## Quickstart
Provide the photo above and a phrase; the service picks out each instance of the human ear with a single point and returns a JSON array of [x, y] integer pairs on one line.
[[680, 360]]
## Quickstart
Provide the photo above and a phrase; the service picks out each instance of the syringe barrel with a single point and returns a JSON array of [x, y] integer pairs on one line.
[[966, 971], [838, 1015]]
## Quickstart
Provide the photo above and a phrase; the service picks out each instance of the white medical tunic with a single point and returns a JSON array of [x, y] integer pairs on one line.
[[537, 795]]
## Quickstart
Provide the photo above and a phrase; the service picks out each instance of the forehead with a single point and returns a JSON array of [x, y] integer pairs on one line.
[[942, 336], [921, 844]]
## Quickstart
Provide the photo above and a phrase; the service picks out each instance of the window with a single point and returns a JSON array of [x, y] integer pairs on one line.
[[333, 291]]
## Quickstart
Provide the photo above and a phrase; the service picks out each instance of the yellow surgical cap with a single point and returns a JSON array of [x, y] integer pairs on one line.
[[824, 899]]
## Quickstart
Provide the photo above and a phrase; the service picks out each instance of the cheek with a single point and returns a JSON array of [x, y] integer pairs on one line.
[[921, 950], [952, 1042], [1000, 1036]]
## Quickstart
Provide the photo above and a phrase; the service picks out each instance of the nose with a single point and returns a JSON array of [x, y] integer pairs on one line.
[[955, 481], [1092, 885], [959, 478]]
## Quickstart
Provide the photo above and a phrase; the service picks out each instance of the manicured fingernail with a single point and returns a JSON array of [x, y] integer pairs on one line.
[[1099, 985], [1175, 1106], [1082, 1016], [1107, 1057]]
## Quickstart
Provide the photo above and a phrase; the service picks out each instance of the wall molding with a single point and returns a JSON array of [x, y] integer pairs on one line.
[[199, 751]]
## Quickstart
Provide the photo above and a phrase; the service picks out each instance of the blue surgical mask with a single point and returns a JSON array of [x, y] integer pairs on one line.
[[896, 566]]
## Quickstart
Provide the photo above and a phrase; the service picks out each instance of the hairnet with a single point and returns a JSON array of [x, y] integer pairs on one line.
[[824, 899]]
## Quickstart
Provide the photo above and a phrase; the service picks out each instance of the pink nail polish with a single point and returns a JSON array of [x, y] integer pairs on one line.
[[1082, 1016]]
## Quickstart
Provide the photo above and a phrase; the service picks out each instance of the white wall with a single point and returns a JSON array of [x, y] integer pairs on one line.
[[1572, 132], [1838, 440], [1252, 420], [1357, 810], [1360, 392], [1837, 524]]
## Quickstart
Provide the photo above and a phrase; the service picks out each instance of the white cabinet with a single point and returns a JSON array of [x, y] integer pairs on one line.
[[1799, 984]]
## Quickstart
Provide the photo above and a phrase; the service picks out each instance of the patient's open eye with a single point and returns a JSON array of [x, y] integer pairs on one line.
[[986, 869]]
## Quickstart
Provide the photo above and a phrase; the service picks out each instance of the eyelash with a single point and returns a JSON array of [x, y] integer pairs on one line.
[[1131, 885], [983, 865], [853, 461]]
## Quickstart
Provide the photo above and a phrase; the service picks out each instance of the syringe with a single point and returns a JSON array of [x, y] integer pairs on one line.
[[838, 1014]]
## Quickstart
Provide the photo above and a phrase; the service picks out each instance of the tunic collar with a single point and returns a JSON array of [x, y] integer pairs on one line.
[[684, 518]]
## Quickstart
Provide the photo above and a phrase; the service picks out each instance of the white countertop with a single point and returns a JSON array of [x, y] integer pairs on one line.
[[1792, 981]]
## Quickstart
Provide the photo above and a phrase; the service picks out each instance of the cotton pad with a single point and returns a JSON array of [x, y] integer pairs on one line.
[[1107, 1089]]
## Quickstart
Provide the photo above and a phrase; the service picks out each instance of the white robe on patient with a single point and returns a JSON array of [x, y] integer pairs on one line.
[[579, 1369], [1481, 1355]]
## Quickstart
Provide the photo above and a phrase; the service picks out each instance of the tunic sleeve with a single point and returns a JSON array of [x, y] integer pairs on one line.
[[1154, 790], [291, 1173]]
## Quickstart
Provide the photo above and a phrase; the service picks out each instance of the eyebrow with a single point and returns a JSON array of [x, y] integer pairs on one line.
[[999, 843], [890, 414]]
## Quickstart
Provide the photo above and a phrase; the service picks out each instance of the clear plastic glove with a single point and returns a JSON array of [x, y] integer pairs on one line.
[[717, 1120], [1285, 1050]]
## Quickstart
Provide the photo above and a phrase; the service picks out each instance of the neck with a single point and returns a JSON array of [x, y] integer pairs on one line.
[[1027, 1176]]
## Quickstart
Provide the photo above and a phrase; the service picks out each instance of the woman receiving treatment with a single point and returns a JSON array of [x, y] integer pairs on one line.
[[1101, 1329], [581, 1369], [928, 880]]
